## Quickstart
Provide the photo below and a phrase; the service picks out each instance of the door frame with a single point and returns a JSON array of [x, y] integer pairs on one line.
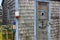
[[49, 13]]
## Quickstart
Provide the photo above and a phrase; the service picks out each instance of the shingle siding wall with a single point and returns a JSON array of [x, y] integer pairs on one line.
[[4, 12], [55, 27], [26, 21], [8, 9]]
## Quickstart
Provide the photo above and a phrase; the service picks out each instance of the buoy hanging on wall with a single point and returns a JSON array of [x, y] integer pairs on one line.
[[17, 14]]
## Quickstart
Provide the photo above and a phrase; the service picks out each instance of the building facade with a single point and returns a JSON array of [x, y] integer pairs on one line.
[[55, 20], [26, 23], [1, 14], [26, 20], [8, 11]]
